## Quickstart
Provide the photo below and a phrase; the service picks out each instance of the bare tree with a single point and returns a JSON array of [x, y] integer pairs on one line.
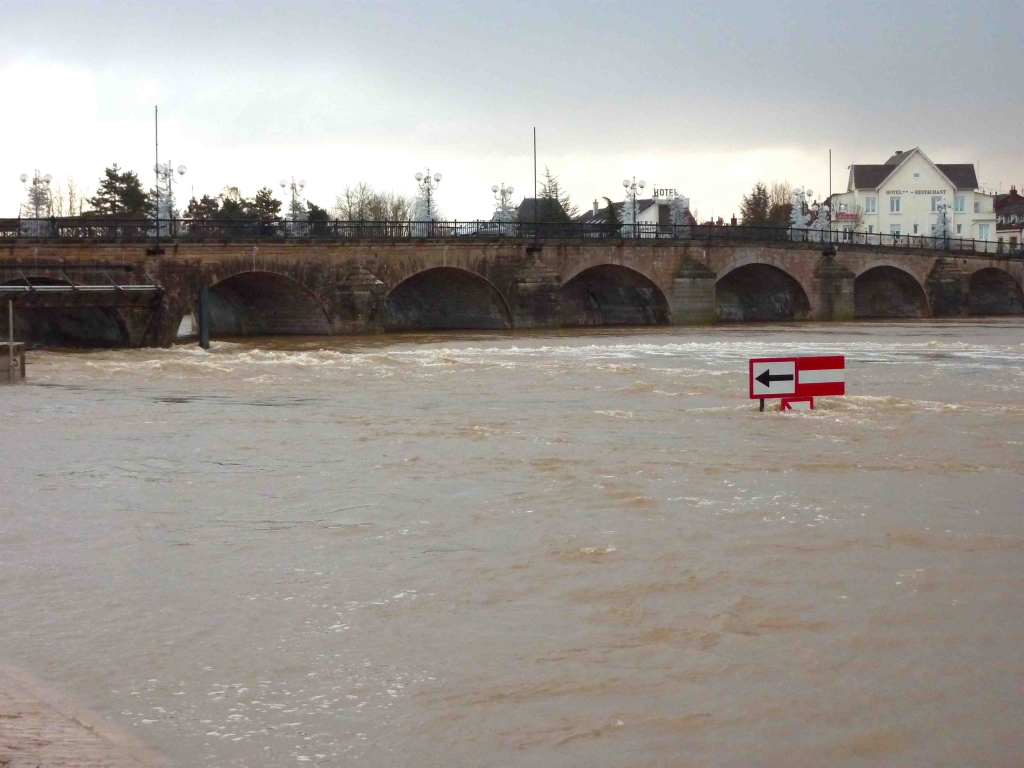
[[75, 198], [780, 194], [362, 203], [847, 216], [66, 203], [58, 202], [780, 204], [353, 204]]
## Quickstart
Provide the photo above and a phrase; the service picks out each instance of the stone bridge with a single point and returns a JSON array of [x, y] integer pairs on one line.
[[340, 287]]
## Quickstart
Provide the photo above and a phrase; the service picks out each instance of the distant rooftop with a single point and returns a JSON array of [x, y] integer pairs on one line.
[[868, 176]]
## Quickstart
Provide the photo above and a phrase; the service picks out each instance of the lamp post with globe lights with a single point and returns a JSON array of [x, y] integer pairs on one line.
[[39, 205], [165, 181], [424, 211], [40, 202], [633, 190], [296, 211], [503, 211], [428, 185]]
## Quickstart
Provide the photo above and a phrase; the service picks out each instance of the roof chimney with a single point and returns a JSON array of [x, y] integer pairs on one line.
[[596, 207]]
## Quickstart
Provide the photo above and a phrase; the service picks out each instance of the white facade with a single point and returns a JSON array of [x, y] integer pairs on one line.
[[904, 197]]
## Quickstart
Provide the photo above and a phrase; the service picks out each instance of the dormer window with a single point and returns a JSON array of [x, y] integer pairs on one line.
[[917, 175]]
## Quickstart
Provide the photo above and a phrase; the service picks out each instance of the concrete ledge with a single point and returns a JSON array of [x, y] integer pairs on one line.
[[42, 727]]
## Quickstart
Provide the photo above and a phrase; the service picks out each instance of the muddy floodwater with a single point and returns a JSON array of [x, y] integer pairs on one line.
[[527, 550]]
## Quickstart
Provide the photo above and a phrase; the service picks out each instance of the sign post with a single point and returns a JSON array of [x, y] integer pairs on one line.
[[796, 381]]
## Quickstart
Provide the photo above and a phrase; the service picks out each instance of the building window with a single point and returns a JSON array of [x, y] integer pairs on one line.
[[959, 229], [983, 231], [915, 229], [894, 204], [959, 204], [977, 206], [847, 234], [871, 229], [936, 199], [1013, 218], [894, 229], [917, 175], [1013, 242], [870, 205]]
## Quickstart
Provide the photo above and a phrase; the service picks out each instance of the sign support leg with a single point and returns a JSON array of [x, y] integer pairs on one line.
[[762, 405]]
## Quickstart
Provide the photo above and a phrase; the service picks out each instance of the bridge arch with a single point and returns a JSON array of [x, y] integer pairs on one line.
[[259, 303], [446, 298], [994, 291], [612, 294], [886, 289], [40, 322], [755, 289]]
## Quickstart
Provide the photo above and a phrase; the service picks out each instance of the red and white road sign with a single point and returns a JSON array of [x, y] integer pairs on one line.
[[797, 377]]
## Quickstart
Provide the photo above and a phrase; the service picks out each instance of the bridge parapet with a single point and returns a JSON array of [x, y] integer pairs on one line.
[[136, 229]]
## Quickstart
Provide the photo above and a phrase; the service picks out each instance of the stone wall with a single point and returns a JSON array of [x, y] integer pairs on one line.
[[313, 287]]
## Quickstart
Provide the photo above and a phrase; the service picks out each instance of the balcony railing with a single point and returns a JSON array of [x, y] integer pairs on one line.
[[145, 230]]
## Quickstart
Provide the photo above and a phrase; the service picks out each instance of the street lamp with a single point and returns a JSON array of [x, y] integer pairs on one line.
[[428, 184], [295, 206], [633, 190], [39, 200], [503, 195], [165, 188]]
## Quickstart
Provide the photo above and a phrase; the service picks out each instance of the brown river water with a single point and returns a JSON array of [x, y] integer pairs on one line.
[[527, 550]]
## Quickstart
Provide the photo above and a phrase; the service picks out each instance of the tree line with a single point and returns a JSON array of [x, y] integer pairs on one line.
[[121, 193], [768, 206]]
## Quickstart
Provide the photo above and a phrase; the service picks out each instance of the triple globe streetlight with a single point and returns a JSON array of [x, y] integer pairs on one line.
[[503, 195], [38, 194], [428, 184], [633, 189]]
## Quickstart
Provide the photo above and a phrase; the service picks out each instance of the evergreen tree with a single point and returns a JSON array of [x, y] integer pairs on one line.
[[317, 218], [613, 224], [119, 193], [756, 206], [263, 206], [232, 204], [555, 203], [316, 213], [206, 208]]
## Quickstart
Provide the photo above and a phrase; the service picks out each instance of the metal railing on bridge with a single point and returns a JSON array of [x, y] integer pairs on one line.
[[143, 230]]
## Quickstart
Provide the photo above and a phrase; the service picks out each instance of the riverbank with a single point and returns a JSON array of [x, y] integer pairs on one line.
[[42, 727]]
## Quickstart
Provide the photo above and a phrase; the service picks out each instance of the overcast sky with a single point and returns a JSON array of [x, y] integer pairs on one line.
[[705, 97]]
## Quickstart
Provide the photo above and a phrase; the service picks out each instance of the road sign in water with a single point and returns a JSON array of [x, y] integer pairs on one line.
[[797, 378]]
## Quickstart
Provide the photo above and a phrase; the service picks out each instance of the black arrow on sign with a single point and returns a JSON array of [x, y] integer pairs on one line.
[[766, 378]]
